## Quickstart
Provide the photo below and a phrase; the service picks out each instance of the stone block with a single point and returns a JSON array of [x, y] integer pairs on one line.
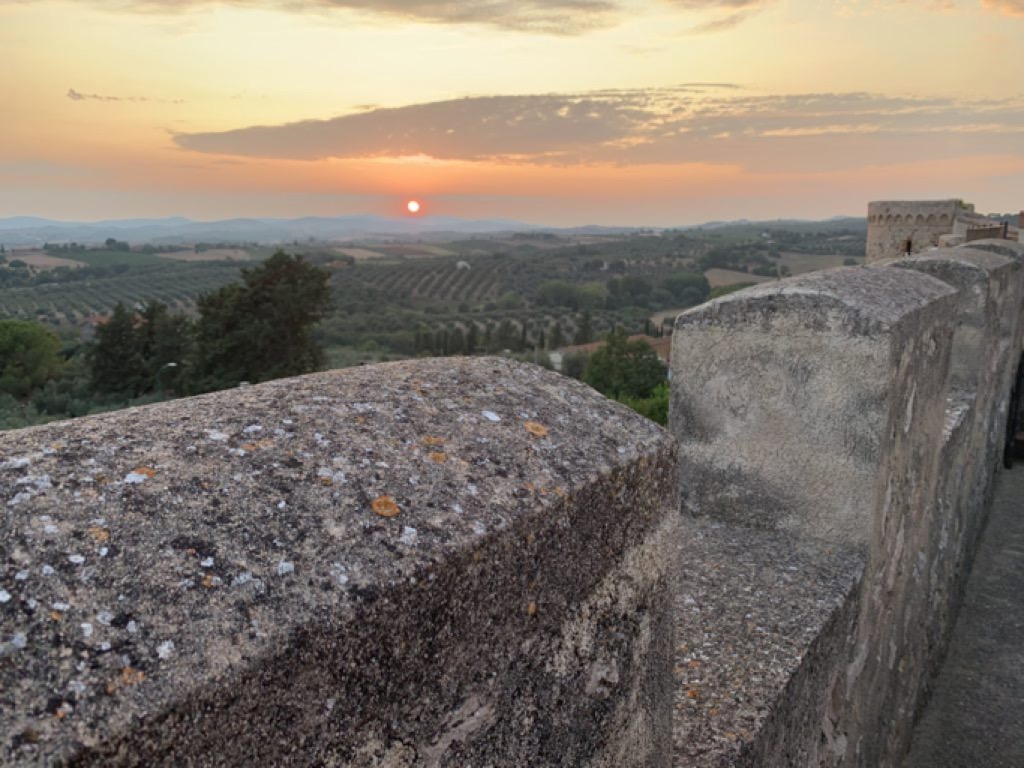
[[793, 402], [446, 562]]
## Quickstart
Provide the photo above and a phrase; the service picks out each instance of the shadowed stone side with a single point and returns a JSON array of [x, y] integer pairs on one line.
[[446, 562], [976, 717]]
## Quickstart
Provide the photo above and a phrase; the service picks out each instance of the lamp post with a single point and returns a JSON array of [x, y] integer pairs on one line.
[[159, 381]]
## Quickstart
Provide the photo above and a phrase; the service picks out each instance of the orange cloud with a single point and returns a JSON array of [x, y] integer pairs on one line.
[[1009, 7], [643, 126]]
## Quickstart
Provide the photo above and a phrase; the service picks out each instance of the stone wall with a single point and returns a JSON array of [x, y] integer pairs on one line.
[[429, 563], [853, 417], [892, 223]]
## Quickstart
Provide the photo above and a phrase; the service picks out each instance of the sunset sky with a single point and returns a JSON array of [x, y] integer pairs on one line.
[[658, 112]]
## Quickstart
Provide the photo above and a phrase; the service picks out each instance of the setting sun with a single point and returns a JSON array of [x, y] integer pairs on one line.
[[413, 206]]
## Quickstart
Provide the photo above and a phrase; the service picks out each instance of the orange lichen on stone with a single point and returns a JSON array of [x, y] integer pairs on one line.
[[99, 534], [385, 506], [147, 471], [535, 429], [439, 458], [208, 581], [434, 440], [531, 609]]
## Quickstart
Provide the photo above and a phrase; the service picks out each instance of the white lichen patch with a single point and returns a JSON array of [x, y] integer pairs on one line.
[[491, 416], [5, 596], [165, 649], [37, 482], [284, 568], [409, 536], [135, 478]]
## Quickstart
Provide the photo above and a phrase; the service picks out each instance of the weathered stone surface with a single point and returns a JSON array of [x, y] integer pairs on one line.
[[983, 281], [762, 625], [788, 397], [820, 409], [430, 563], [1006, 248]]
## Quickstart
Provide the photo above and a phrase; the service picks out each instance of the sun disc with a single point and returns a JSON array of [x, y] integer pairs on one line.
[[413, 206]]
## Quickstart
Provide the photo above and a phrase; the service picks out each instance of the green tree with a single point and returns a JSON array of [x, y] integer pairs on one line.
[[166, 343], [584, 330], [261, 329], [592, 296], [29, 357], [557, 293], [654, 407], [557, 338], [115, 358], [574, 364], [624, 368], [688, 288]]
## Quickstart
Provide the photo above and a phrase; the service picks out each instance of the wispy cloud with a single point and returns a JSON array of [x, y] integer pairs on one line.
[[546, 16], [79, 96], [720, 24], [672, 125]]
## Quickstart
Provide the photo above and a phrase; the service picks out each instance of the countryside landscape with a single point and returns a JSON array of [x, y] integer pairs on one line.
[[543, 296]]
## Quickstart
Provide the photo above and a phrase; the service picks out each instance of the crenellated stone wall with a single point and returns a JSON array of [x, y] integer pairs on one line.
[[858, 415]]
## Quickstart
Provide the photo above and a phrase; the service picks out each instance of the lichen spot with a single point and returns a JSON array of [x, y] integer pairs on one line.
[[385, 506], [535, 429]]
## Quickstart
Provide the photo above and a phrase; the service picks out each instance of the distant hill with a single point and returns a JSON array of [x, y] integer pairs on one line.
[[27, 230], [31, 230]]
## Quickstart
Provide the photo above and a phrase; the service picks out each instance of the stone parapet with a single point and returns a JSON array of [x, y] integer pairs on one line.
[[859, 414], [446, 562]]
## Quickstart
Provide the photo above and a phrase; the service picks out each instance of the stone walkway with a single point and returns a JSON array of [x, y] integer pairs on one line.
[[976, 717]]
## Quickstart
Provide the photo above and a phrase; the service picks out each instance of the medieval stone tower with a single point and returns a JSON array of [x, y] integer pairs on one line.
[[898, 228]]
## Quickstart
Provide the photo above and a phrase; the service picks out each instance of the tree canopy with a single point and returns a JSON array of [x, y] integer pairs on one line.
[[29, 356], [624, 368], [261, 329]]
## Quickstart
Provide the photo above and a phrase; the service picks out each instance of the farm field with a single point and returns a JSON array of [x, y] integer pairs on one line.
[[40, 260], [99, 258], [801, 263], [719, 277], [214, 254], [176, 284], [361, 254]]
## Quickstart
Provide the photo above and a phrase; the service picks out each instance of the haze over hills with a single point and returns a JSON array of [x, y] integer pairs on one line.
[[32, 230]]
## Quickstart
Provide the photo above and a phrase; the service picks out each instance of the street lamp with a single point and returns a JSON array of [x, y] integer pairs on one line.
[[159, 381]]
